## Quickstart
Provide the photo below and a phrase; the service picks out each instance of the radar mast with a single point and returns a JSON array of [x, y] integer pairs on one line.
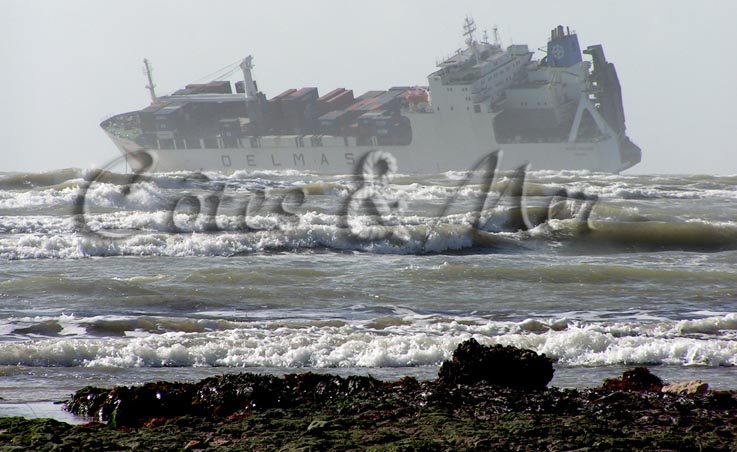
[[469, 27]]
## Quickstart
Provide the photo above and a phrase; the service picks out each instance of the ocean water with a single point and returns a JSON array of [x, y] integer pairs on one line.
[[110, 278]]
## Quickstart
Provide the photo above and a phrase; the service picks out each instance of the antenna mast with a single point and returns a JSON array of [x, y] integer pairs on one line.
[[497, 39], [469, 27], [148, 70]]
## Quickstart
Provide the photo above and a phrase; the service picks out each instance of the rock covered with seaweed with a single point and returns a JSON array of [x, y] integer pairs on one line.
[[500, 365], [471, 364]]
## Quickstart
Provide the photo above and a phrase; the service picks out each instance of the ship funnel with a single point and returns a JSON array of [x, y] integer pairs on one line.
[[563, 48], [250, 85]]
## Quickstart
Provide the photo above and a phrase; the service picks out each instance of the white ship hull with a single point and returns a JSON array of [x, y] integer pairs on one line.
[[438, 145], [598, 157]]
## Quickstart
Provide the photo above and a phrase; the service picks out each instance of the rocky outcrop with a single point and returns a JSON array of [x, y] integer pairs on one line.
[[215, 396], [472, 363], [637, 379], [499, 365]]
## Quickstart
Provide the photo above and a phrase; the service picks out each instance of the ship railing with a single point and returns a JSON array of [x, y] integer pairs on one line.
[[253, 142]]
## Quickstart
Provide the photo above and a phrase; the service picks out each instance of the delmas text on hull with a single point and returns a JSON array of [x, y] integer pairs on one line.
[[559, 113]]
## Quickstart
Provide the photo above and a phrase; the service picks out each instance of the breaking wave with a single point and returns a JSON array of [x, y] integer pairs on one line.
[[33, 239], [40, 214], [389, 341]]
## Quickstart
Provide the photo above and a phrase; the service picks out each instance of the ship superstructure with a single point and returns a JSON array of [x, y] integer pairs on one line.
[[561, 113]]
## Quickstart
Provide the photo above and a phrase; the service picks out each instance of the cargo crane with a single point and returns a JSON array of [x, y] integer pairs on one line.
[[150, 87], [250, 85]]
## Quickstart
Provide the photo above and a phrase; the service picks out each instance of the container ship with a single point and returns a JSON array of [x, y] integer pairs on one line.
[[561, 112]]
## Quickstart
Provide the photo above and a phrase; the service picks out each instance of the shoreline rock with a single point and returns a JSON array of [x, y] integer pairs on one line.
[[687, 388], [637, 379], [471, 364], [508, 366]]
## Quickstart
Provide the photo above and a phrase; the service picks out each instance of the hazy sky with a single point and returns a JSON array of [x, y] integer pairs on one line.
[[68, 64]]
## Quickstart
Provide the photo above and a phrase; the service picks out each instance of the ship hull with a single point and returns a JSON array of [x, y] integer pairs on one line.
[[602, 156]]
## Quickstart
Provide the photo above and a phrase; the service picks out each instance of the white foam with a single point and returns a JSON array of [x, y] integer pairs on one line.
[[38, 198], [147, 233], [708, 325], [415, 340], [142, 211]]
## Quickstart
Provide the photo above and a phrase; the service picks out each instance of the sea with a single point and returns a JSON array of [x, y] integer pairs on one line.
[[109, 277]]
